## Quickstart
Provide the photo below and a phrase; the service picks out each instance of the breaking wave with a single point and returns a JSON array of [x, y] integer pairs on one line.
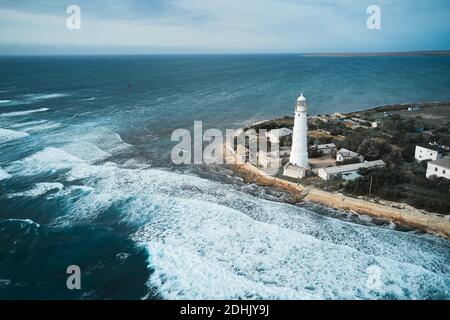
[[42, 127], [24, 222], [220, 253], [27, 123], [4, 175], [45, 96], [11, 103], [110, 142], [39, 189], [49, 159], [86, 151], [207, 240], [7, 135], [23, 113]]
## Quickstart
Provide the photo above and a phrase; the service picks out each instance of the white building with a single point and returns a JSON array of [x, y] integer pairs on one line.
[[345, 154], [328, 148], [362, 121], [269, 160], [414, 108], [375, 124], [299, 150], [347, 171], [424, 153], [275, 135], [293, 171], [298, 159], [439, 168]]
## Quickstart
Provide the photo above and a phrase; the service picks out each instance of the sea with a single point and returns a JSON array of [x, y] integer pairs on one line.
[[86, 179]]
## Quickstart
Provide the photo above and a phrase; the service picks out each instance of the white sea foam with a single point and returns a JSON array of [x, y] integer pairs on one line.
[[201, 250], [45, 96], [85, 171], [25, 221], [7, 135], [31, 98], [23, 113], [42, 127], [11, 103], [27, 123], [92, 147], [39, 189], [108, 141], [207, 240], [86, 151], [75, 155], [4, 175], [49, 159], [72, 189], [81, 188]]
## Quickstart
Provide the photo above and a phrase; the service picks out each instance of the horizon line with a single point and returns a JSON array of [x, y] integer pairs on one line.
[[445, 52]]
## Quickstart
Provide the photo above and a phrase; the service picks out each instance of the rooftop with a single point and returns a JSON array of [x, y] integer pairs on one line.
[[434, 148], [354, 166], [348, 153], [445, 162], [325, 146], [289, 166], [301, 98]]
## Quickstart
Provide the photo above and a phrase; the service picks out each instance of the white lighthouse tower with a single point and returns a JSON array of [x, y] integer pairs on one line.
[[299, 151]]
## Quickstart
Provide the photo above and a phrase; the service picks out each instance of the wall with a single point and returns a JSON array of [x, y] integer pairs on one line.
[[423, 154], [431, 171]]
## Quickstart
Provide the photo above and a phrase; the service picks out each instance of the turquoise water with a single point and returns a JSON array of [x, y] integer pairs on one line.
[[86, 179]]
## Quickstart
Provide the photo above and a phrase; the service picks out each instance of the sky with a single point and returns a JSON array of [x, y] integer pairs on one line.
[[222, 26]]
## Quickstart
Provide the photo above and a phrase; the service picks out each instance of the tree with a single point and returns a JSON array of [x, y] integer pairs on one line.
[[373, 148], [408, 152], [353, 141], [393, 157], [383, 179]]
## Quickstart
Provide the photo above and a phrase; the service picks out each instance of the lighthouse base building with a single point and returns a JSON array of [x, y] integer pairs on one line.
[[298, 162], [293, 171]]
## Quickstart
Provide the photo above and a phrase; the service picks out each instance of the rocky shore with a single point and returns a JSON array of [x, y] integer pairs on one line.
[[399, 213]]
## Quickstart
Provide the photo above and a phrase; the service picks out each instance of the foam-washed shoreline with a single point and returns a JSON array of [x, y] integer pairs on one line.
[[425, 221]]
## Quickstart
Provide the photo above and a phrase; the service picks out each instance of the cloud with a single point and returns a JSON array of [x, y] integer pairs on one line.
[[225, 25]]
